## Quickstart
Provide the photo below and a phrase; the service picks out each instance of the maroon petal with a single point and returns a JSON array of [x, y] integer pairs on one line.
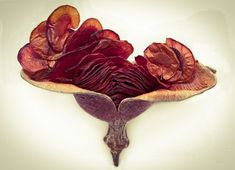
[[114, 76], [110, 48], [82, 35], [86, 63], [140, 60], [104, 34], [67, 61]]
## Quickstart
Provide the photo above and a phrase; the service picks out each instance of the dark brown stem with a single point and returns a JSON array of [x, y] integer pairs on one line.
[[116, 139]]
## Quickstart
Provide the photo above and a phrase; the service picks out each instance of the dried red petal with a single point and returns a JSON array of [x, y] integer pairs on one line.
[[29, 60], [60, 25], [113, 76], [59, 71], [146, 65], [82, 35], [140, 60], [85, 64], [163, 61], [110, 47], [39, 42], [186, 58], [130, 82], [104, 34]]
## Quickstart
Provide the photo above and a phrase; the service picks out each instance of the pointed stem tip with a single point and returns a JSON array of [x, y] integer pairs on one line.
[[115, 156], [116, 139]]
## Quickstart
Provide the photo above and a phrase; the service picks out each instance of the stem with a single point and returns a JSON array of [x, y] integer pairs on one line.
[[116, 139]]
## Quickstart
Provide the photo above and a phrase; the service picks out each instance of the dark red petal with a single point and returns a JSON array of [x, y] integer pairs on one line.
[[82, 35], [65, 62], [71, 59], [140, 60], [98, 79], [120, 62], [59, 25], [110, 48], [131, 81], [29, 60], [114, 76], [85, 64], [87, 48], [104, 34]]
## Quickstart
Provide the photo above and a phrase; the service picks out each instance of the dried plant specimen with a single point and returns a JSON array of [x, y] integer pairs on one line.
[[91, 63]]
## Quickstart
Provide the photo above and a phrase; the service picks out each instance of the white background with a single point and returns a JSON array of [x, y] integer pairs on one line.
[[42, 130]]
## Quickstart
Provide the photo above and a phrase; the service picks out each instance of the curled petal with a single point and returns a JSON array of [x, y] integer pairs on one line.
[[82, 35], [29, 60], [204, 80], [87, 62], [152, 69], [104, 34], [120, 62], [186, 58], [39, 43], [110, 48], [140, 60], [70, 61], [59, 73], [163, 61], [60, 24]]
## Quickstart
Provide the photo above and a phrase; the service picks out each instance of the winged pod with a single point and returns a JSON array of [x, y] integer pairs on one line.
[[91, 63]]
